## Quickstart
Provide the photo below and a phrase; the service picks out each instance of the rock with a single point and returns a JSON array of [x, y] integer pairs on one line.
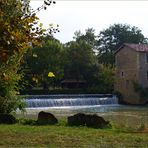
[[7, 119], [88, 120], [78, 119], [95, 121], [46, 118]]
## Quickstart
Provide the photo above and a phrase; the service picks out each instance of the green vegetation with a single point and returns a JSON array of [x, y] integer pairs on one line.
[[26, 46], [76, 60], [40, 91], [61, 135], [88, 58], [28, 53], [143, 92], [110, 39], [18, 30], [42, 60]]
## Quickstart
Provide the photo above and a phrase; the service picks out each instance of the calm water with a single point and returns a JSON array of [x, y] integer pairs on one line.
[[104, 110]]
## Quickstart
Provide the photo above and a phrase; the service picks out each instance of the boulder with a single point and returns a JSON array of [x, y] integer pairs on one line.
[[88, 120], [95, 121], [7, 119], [46, 118], [78, 119]]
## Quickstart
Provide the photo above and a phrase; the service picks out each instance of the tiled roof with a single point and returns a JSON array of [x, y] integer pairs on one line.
[[138, 47]]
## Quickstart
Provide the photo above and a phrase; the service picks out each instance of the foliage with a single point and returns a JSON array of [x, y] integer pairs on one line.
[[119, 96], [88, 90], [81, 62], [106, 78], [143, 92], [8, 86], [24, 121], [113, 37], [89, 37], [7, 119], [42, 60], [83, 59], [76, 60], [18, 30]]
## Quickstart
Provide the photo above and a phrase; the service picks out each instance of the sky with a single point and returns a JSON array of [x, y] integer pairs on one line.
[[77, 15]]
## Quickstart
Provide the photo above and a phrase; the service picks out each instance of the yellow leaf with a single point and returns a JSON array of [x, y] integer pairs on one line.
[[51, 74]]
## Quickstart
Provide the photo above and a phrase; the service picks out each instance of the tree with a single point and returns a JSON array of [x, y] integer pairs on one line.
[[44, 59], [18, 28], [113, 37], [105, 79], [89, 37], [80, 62]]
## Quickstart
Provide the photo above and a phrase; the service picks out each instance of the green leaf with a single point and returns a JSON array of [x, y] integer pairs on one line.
[[41, 25]]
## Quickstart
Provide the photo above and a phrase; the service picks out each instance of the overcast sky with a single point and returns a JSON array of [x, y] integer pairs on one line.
[[80, 15]]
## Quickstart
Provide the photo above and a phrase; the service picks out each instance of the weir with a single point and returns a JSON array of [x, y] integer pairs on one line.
[[36, 101]]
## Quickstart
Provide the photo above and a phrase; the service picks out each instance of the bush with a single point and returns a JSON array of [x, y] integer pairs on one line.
[[119, 96], [7, 119], [143, 92], [91, 90], [9, 78], [27, 121]]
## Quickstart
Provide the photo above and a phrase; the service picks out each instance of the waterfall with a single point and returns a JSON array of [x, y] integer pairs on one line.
[[69, 100]]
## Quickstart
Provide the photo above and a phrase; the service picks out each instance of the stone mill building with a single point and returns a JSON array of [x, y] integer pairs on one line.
[[131, 68]]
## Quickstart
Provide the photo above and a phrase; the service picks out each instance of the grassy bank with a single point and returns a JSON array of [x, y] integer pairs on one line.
[[64, 136]]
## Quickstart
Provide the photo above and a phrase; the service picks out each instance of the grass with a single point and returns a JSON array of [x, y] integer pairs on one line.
[[63, 136]]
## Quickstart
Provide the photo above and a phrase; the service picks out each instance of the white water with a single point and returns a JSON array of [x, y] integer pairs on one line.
[[69, 100]]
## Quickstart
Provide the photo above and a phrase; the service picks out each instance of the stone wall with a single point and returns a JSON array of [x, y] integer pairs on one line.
[[143, 70], [127, 64]]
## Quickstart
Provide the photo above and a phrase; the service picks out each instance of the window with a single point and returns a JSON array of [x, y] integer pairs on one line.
[[122, 73], [146, 57]]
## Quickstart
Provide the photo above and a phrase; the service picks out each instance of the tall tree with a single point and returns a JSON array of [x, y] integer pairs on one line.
[[80, 61], [17, 29], [89, 37], [113, 37]]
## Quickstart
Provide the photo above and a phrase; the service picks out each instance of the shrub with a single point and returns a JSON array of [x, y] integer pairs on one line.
[[27, 121], [143, 92], [7, 118], [119, 96]]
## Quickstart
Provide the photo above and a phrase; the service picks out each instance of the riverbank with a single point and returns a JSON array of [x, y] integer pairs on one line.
[[61, 135], [122, 115]]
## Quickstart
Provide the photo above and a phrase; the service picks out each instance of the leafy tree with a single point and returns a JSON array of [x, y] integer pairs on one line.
[[89, 37], [80, 61], [44, 59], [106, 79], [113, 37], [18, 28]]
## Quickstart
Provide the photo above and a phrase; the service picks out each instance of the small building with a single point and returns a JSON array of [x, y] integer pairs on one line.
[[131, 68]]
